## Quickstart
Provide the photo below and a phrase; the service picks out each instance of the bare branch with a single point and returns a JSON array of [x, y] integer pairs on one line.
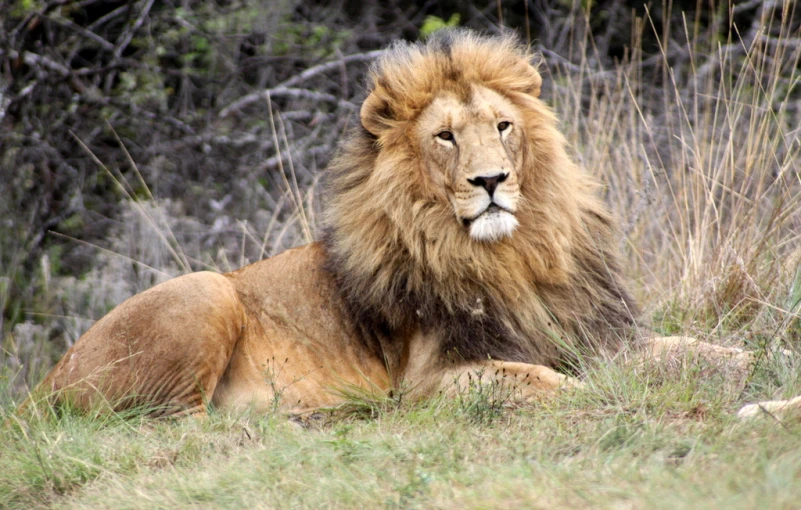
[[40, 61], [287, 92], [285, 87], [126, 39], [83, 31], [328, 66], [99, 22]]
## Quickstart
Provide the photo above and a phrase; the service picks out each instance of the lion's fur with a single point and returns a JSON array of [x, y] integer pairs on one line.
[[402, 261], [397, 294]]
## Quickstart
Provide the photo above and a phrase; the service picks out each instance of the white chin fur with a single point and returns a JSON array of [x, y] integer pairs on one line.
[[492, 226]]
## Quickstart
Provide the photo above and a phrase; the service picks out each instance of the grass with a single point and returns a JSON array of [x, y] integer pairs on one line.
[[702, 168], [635, 438]]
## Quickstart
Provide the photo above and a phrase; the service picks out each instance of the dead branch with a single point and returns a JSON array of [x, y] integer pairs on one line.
[[285, 88], [265, 95]]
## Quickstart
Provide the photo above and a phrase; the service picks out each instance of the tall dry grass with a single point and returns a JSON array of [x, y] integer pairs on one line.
[[701, 166]]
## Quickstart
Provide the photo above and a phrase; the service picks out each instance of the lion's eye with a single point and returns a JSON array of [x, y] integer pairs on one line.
[[503, 126], [445, 135]]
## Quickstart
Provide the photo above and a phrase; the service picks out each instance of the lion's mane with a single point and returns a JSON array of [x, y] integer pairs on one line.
[[401, 260]]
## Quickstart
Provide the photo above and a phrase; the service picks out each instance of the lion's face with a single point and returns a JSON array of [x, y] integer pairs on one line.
[[472, 149]]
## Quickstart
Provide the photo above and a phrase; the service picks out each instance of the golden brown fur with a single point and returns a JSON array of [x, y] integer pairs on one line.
[[459, 237]]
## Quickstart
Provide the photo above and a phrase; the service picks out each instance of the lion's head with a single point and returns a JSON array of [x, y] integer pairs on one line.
[[454, 207]]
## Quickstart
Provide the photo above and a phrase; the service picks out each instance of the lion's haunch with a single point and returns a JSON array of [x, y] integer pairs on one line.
[[166, 347]]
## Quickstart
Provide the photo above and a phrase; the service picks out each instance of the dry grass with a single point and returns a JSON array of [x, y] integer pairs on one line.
[[701, 166], [703, 172]]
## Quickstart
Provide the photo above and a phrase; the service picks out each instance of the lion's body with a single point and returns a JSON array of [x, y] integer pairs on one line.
[[271, 336], [458, 237]]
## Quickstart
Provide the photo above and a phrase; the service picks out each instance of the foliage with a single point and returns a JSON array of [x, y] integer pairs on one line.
[[483, 400], [433, 23]]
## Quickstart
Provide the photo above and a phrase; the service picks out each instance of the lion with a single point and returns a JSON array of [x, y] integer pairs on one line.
[[458, 238]]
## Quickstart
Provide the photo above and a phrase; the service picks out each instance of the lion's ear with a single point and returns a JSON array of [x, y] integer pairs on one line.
[[375, 114], [534, 80]]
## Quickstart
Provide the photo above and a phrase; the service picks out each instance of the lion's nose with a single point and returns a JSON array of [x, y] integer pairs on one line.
[[489, 183]]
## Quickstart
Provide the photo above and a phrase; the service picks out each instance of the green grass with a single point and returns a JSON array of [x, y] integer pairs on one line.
[[647, 436]]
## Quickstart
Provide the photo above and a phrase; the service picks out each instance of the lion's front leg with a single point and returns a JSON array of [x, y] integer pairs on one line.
[[517, 381], [425, 374], [520, 381]]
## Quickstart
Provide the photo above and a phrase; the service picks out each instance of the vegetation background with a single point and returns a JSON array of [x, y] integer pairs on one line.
[[143, 139]]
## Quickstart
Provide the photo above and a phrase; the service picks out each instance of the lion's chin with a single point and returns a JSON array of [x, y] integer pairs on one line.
[[493, 225]]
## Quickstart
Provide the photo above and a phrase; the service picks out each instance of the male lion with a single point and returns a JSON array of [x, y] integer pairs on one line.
[[458, 237]]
